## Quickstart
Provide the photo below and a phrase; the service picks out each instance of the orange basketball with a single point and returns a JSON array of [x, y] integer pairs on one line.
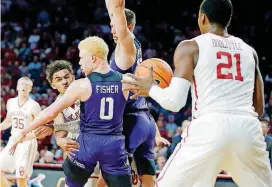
[[162, 72]]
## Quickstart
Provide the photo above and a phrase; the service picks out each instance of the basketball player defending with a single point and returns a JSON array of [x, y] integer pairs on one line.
[[139, 125], [227, 92], [66, 124], [21, 110], [101, 112]]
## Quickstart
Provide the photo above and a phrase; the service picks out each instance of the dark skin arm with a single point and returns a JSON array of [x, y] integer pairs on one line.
[[258, 95]]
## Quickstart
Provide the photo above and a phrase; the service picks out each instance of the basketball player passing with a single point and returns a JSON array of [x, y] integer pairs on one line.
[[227, 98]]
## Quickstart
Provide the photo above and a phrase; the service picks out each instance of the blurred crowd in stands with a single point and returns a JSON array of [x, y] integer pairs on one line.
[[36, 32]]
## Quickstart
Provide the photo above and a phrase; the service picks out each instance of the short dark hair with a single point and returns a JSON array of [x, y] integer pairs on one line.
[[56, 66], [130, 17], [219, 12]]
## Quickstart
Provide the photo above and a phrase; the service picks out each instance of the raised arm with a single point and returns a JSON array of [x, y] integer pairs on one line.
[[8, 121], [258, 95], [125, 54]]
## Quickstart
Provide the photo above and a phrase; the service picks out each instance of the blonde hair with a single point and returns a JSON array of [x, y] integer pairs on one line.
[[26, 79], [96, 46]]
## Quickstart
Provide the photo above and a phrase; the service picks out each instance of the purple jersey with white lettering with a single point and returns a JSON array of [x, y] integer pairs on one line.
[[103, 112]]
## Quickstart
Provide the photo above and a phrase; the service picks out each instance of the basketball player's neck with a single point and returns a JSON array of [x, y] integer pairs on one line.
[[22, 98], [103, 68], [218, 30]]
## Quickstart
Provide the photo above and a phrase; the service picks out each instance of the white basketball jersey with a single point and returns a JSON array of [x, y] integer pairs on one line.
[[21, 115], [224, 76], [71, 114]]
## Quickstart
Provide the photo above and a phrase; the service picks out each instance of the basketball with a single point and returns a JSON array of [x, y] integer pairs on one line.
[[162, 72]]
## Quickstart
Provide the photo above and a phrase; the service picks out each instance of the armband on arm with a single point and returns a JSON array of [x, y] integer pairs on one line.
[[72, 126], [174, 97]]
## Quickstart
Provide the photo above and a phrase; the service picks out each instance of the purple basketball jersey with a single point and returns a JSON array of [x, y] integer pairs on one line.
[[132, 104], [103, 112]]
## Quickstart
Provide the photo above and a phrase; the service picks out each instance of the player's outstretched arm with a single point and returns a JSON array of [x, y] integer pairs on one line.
[[258, 95], [126, 52], [174, 97], [43, 131], [7, 122], [72, 94], [76, 91]]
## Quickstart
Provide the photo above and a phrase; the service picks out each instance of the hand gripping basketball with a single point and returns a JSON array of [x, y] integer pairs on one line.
[[139, 85]]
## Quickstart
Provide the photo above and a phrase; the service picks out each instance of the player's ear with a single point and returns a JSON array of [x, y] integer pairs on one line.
[[73, 77], [53, 86], [202, 18], [130, 27]]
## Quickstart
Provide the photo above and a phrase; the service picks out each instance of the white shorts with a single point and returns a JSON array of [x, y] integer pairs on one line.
[[22, 160], [215, 142]]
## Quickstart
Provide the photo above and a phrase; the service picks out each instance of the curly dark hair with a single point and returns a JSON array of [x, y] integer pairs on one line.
[[56, 66]]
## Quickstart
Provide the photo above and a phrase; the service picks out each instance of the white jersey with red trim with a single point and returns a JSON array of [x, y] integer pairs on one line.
[[21, 115], [224, 76], [24, 156], [71, 113]]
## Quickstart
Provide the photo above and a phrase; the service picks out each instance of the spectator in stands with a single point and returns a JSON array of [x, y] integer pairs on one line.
[[161, 126], [23, 69], [265, 122], [171, 126], [175, 140], [160, 150], [49, 157], [161, 160]]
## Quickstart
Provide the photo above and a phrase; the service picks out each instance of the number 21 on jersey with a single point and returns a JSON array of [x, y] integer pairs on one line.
[[103, 114], [228, 65]]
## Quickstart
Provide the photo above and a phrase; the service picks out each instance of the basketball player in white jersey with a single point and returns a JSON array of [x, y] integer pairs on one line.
[[21, 110], [227, 92], [66, 125]]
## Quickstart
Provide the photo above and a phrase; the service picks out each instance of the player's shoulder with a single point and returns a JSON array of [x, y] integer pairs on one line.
[[33, 102], [11, 100], [246, 46], [203, 36], [80, 84], [187, 46]]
